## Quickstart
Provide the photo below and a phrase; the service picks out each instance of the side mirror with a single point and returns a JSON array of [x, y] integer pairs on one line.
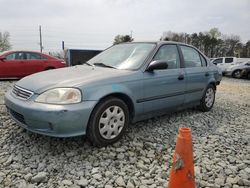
[[157, 65]]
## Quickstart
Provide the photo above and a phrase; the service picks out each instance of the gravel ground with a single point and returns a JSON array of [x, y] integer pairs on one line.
[[142, 158]]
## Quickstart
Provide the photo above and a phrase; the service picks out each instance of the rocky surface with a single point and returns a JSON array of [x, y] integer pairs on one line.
[[142, 158]]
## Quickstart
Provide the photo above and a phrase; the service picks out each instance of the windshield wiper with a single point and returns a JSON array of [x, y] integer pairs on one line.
[[103, 65]]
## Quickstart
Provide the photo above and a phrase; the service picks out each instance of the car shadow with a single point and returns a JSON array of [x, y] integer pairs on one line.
[[161, 130]]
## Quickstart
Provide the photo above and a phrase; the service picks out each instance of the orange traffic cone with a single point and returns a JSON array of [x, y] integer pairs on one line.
[[182, 170]]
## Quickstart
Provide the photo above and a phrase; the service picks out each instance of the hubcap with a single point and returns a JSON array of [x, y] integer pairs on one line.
[[111, 122], [209, 97], [237, 74]]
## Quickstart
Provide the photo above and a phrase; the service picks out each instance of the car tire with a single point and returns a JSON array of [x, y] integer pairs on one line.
[[49, 68], [208, 99], [108, 122], [236, 74], [248, 76]]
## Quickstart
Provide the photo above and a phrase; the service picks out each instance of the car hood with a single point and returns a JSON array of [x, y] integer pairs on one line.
[[68, 77]]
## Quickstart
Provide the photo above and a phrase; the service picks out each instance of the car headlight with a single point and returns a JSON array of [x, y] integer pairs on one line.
[[60, 96]]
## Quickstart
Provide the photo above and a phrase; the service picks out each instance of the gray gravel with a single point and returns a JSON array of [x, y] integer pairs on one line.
[[142, 158]]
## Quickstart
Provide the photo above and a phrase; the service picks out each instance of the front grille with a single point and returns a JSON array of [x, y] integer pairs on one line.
[[22, 93], [17, 116]]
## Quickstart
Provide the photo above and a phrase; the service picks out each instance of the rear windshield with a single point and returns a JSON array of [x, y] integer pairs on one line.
[[1, 53]]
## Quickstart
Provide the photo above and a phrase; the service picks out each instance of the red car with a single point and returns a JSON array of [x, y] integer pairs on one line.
[[17, 64]]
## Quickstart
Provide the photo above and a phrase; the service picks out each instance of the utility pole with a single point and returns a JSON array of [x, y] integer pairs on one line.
[[62, 45], [131, 34], [41, 43]]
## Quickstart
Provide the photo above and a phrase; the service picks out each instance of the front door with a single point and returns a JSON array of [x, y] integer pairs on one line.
[[12, 65], [164, 89]]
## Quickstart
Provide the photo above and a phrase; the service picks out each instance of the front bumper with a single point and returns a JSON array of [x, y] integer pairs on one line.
[[228, 73], [52, 120]]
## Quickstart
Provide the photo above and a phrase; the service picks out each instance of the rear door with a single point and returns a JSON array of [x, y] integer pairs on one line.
[[164, 89], [197, 73], [34, 63], [228, 62]]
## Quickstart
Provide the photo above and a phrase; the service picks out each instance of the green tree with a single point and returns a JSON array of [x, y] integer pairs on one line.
[[212, 43], [231, 44], [246, 49], [195, 40], [122, 38], [214, 34], [238, 50], [173, 36], [4, 41]]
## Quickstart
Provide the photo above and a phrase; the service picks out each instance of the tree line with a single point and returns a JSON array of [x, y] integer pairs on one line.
[[212, 43]]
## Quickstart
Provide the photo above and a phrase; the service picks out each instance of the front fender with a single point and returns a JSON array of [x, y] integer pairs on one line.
[[96, 93]]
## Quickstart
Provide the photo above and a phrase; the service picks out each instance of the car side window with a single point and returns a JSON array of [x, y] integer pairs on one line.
[[11, 56], [229, 60], [32, 56], [15, 56], [217, 61], [203, 61], [191, 57], [169, 53]]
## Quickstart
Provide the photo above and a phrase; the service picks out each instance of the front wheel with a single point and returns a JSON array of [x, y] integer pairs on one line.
[[108, 122], [208, 99], [237, 74]]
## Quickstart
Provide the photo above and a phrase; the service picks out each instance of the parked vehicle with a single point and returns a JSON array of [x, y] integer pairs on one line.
[[78, 57], [235, 70], [126, 83], [17, 64], [245, 73], [224, 62]]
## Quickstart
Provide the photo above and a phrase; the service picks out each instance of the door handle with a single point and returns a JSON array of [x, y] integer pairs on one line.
[[181, 77], [206, 74]]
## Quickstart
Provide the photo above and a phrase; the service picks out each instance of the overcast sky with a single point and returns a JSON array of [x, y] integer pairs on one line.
[[93, 24]]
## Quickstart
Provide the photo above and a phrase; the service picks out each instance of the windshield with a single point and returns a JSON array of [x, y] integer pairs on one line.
[[123, 56]]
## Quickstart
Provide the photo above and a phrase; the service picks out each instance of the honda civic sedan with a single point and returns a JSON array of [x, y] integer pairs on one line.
[[17, 64], [126, 83]]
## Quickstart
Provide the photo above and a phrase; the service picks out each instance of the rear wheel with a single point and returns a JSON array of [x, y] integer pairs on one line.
[[108, 122], [208, 99], [237, 74]]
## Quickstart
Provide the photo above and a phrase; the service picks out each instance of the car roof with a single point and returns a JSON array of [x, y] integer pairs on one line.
[[13, 51], [160, 42]]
